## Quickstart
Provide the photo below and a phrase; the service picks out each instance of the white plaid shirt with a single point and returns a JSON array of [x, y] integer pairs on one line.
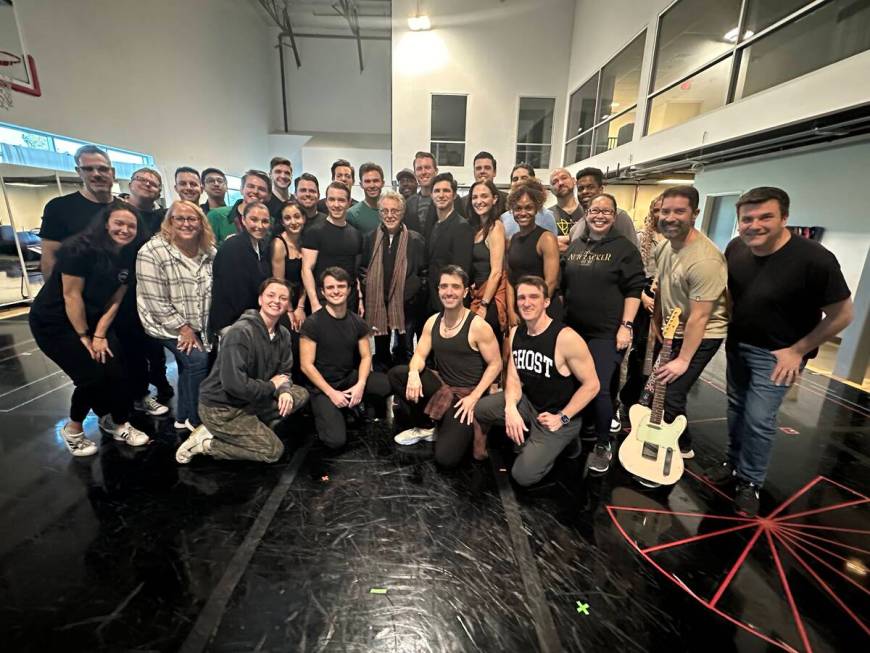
[[173, 289]]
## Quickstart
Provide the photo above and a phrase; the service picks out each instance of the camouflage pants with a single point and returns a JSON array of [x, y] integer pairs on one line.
[[239, 435]]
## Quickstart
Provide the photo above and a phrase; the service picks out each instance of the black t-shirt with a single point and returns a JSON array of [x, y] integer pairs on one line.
[[153, 219], [102, 275], [778, 299], [337, 342], [341, 246], [67, 215]]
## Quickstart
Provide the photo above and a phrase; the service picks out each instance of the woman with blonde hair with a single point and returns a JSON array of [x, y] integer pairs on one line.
[[173, 296]]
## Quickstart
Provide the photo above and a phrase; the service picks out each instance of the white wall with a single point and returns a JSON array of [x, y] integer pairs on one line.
[[827, 187], [330, 94], [602, 28], [187, 81], [492, 51]]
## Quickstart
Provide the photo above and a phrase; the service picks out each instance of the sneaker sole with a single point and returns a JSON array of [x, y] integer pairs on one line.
[[687, 455]]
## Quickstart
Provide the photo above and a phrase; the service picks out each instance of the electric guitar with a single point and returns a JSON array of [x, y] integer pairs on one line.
[[650, 450]]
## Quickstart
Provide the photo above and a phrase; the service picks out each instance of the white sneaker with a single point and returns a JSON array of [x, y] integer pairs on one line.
[[615, 425], [198, 442], [125, 432], [150, 406], [77, 443], [184, 426], [414, 435]]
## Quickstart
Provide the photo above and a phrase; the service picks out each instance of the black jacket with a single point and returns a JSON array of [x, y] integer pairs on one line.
[[412, 220], [237, 274], [450, 243], [246, 360], [598, 276], [415, 277]]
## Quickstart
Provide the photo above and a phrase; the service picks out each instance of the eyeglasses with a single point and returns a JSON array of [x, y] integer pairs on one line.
[[101, 169], [215, 180], [597, 211], [147, 182], [390, 212], [185, 218]]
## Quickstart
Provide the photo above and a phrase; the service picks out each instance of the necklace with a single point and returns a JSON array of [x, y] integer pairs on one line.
[[449, 328]]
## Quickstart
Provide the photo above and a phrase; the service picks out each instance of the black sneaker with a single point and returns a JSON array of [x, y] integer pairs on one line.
[[720, 474], [599, 459], [747, 499]]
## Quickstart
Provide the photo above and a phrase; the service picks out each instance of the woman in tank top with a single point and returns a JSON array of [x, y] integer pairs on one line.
[[287, 260], [489, 296], [532, 250]]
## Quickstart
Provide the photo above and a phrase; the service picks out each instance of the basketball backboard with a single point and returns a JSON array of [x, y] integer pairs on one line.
[[16, 65]]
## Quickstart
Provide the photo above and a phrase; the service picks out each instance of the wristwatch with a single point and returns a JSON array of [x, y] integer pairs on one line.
[[565, 419], [628, 325]]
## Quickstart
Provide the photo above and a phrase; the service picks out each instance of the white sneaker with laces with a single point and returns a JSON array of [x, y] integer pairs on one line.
[[184, 426], [78, 445], [414, 435], [129, 434], [198, 442], [615, 425], [150, 406]]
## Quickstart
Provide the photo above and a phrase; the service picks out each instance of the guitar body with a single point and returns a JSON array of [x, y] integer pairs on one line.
[[650, 450]]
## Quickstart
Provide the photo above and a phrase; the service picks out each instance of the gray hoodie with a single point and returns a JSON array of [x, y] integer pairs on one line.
[[247, 359]]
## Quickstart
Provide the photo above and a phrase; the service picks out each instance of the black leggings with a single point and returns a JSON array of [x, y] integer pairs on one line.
[[454, 437], [101, 387]]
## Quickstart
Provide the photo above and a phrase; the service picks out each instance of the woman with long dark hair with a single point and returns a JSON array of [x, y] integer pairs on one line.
[[287, 259], [71, 320], [489, 295]]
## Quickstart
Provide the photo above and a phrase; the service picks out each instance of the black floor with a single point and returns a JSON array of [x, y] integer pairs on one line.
[[376, 550]]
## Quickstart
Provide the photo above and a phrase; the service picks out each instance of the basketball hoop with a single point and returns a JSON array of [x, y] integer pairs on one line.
[[7, 60]]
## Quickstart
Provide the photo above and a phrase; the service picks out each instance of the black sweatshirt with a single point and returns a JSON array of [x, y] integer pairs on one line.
[[598, 276], [237, 273], [247, 360]]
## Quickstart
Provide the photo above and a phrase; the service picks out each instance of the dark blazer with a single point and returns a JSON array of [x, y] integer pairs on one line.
[[450, 243], [415, 276], [237, 274], [412, 220]]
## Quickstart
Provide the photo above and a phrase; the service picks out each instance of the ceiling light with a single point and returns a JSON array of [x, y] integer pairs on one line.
[[731, 35], [24, 184], [676, 181], [419, 23]]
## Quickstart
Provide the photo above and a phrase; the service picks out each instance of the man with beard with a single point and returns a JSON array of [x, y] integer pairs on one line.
[[187, 184], [281, 176], [406, 182], [308, 194], [590, 183], [364, 215]]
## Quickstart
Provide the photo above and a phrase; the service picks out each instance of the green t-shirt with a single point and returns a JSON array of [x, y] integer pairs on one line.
[[363, 217], [220, 223], [697, 272]]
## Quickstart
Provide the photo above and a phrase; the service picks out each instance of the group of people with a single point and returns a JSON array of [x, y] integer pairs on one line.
[[471, 311]]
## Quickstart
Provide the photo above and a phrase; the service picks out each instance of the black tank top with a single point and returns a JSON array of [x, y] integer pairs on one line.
[[535, 359], [480, 262], [457, 363], [523, 257]]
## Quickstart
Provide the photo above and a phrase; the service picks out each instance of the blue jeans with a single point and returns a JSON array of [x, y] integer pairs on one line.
[[753, 403], [192, 370]]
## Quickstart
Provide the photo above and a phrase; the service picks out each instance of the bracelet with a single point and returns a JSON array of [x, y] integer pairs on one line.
[[96, 337], [628, 325]]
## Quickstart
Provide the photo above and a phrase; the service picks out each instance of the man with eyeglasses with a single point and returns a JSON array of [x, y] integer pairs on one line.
[[393, 274], [590, 183], [214, 182], [67, 215], [187, 184], [145, 187], [544, 218], [227, 221]]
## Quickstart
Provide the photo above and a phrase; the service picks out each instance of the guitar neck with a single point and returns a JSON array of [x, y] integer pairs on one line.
[[658, 403], [650, 350]]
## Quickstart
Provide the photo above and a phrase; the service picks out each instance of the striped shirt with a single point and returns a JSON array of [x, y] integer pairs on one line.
[[173, 289]]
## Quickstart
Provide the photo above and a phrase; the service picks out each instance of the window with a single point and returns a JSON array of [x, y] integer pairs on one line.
[[831, 32], [703, 63], [602, 112], [535, 131], [448, 129]]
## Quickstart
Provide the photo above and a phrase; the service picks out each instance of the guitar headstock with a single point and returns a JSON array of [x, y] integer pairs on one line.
[[670, 328]]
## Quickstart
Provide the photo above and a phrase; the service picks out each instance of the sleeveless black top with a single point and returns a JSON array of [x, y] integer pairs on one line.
[[480, 264], [457, 363], [535, 359], [292, 267], [523, 257]]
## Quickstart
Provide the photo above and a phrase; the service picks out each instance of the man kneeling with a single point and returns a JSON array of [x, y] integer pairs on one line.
[[249, 389], [550, 379], [467, 361]]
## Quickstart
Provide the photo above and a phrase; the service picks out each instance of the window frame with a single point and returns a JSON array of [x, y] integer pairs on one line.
[[735, 53], [433, 141], [548, 144], [591, 131]]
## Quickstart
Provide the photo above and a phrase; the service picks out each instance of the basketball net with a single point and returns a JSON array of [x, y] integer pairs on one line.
[[5, 90]]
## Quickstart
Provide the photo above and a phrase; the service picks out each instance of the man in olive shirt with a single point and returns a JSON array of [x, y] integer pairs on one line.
[[364, 215], [691, 276]]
